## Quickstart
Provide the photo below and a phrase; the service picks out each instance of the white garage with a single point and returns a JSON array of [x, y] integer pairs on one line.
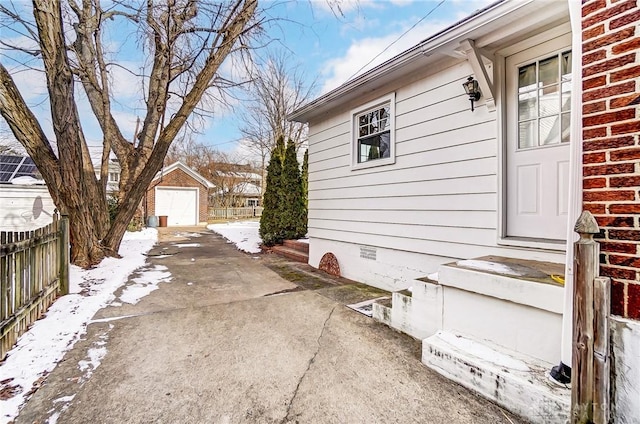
[[179, 204]]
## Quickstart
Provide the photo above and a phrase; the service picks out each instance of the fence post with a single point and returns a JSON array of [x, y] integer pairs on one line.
[[64, 254], [590, 313], [601, 360]]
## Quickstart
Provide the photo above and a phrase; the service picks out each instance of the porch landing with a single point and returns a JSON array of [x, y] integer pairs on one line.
[[534, 271]]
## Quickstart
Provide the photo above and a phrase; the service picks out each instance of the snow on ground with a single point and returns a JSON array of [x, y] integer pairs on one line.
[[145, 284], [187, 244], [244, 234], [44, 345], [94, 356]]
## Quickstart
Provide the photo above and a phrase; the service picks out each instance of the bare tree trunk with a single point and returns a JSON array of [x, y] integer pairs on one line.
[[69, 174]]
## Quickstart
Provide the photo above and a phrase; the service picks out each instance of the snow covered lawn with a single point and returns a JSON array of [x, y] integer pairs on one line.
[[244, 234], [44, 345]]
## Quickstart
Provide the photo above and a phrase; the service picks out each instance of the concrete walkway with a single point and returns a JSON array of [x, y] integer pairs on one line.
[[237, 338]]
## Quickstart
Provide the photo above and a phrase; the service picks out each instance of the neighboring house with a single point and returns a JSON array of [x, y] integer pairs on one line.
[[25, 202], [113, 177], [472, 206], [246, 194], [179, 193], [237, 186]]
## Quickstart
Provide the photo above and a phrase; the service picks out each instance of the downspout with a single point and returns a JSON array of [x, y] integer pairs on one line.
[[562, 371]]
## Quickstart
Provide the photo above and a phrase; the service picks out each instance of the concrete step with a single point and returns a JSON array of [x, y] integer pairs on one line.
[[517, 382], [297, 245], [382, 311], [416, 312], [520, 281], [292, 254], [509, 302]]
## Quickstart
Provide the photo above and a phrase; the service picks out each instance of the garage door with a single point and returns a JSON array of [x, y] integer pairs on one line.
[[178, 204]]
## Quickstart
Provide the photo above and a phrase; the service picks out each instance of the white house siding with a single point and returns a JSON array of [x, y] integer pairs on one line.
[[18, 204], [437, 203]]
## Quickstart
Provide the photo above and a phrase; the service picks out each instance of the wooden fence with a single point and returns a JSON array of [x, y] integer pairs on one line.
[[234, 213], [34, 271]]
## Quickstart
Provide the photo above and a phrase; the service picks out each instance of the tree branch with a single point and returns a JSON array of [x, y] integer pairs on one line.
[[27, 129]]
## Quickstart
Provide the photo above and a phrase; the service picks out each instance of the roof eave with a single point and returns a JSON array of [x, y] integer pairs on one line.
[[423, 50]]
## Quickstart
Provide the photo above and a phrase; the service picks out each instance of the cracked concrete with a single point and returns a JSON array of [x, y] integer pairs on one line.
[[311, 361], [211, 347]]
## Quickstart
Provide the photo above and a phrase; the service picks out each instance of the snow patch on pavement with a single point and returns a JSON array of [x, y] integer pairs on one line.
[[244, 234], [187, 245], [38, 351], [66, 400], [145, 284], [95, 356], [189, 235]]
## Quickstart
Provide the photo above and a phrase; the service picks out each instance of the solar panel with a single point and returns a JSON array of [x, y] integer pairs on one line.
[[17, 166]]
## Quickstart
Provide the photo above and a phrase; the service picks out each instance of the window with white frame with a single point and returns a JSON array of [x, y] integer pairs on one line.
[[114, 177], [373, 133], [544, 101]]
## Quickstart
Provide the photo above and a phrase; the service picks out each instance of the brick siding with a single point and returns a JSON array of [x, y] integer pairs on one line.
[[179, 178], [611, 142]]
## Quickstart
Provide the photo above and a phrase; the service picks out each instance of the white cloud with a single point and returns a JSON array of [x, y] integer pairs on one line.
[[244, 151], [126, 122], [401, 2], [340, 69], [125, 82], [31, 83], [360, 52]]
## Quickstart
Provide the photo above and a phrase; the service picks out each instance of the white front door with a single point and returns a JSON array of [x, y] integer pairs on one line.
[[538, 95]]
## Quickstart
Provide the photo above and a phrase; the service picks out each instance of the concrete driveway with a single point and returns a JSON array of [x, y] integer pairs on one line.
[[237, 338]]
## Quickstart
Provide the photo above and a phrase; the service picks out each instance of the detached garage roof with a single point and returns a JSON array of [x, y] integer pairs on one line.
[[185, 169]]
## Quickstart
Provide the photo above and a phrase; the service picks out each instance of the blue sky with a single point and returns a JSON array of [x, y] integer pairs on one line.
[[327, 46], [331, 49]]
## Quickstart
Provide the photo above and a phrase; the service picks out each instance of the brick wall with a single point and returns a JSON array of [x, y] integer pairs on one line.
[[611, 141], [179, 178]]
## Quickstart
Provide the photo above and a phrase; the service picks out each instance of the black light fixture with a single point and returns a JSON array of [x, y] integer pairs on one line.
[[472, 89]]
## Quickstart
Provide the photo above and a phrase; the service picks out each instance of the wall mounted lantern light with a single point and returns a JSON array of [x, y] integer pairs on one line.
[[472, 89]]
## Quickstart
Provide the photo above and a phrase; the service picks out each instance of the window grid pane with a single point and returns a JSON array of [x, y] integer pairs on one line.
[[373, 134], [544, 101]]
